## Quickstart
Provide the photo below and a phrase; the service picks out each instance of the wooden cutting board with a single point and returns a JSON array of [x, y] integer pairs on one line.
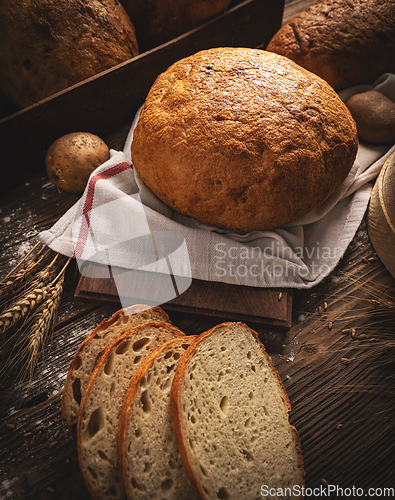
[[265, 308]]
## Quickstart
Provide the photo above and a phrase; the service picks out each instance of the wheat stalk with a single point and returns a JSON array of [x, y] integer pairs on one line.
[[375, 319], [376, 306], [41, 266], [29, 300], [21, 308], [41, 326], [21, 274], [33, 292]]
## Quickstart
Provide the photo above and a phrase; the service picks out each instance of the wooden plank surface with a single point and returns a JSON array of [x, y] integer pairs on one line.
[[260, 307], [344, 411], [341, 384]]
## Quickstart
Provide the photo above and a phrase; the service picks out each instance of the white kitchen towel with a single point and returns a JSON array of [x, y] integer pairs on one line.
[[120, 223]]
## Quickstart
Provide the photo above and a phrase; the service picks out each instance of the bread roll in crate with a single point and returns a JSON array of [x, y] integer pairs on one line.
[[104, 102]]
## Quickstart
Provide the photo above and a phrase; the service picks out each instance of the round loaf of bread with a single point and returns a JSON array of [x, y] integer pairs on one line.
[[48, 45], [344, 42], [243, 139]]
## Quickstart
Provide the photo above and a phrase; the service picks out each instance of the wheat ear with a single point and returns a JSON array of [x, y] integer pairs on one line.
[[41, 326], [21, 308], [35, 295], [32, 294], [21, 274]]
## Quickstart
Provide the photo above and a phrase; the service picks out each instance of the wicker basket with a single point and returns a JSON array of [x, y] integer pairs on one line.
[[381, 215]]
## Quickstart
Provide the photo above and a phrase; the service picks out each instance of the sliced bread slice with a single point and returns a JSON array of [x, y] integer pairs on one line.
[[87, 353], [101, 406], [230, 417], [148, 455]]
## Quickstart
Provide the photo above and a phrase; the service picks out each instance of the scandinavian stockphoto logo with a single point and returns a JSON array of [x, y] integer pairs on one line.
[[274, 262], [147, 266]]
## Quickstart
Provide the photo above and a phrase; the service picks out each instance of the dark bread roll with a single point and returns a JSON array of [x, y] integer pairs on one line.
[[158, 21], [48, 45], [345, 42], [243, 139]]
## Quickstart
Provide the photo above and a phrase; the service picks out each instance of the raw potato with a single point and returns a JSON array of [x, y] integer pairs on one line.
[[72, 158], [374, 115]]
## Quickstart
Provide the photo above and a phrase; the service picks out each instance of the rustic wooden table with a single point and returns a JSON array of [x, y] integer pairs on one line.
[[337, 362]]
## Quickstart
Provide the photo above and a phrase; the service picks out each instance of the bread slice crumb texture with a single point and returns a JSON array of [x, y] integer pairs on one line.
[[101, 406], [149, 457], [94, 344], [230, 417]]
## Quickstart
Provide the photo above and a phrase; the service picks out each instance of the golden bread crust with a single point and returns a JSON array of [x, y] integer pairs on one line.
[[243, 139]]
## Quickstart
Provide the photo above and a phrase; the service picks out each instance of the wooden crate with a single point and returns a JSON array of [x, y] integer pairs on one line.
[[110, 99]]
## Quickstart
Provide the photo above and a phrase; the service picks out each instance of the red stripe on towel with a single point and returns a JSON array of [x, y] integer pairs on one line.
[[84, 230]]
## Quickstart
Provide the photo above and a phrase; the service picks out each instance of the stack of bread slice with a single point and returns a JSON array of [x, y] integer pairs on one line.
[[90, 349], [170, 416]]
